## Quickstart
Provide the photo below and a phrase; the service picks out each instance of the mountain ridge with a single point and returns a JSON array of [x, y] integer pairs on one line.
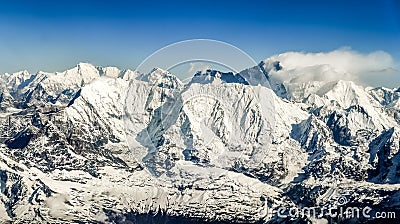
[[242, 150]]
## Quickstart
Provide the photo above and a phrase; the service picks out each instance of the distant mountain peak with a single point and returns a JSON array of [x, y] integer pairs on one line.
[[162, 78], [214, 76]]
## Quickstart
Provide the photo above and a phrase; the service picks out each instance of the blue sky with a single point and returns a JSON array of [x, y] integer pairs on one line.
[[56, 35]]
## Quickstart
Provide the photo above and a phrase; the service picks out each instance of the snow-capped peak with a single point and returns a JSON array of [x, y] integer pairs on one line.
[[162, 78], [109, 71], [87, 72], [213, 76], [17, 78]]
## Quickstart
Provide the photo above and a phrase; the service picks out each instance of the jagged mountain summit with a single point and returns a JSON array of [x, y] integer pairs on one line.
[[97, 144]]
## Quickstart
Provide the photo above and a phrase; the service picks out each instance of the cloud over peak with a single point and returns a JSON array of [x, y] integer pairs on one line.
[[341, 64]]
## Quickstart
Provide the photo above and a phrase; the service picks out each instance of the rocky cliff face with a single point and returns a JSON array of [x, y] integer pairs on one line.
[[97, 144]]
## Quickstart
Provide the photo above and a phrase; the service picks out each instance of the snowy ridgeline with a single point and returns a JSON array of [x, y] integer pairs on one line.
[[223, 147]]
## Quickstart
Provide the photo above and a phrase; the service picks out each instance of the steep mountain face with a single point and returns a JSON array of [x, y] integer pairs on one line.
[[95, 144]]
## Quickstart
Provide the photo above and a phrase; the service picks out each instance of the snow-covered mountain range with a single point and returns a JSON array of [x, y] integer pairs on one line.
[[97, 144]]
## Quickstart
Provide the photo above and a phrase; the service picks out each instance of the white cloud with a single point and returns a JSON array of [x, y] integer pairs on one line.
[[191, 67], [344, 64]]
